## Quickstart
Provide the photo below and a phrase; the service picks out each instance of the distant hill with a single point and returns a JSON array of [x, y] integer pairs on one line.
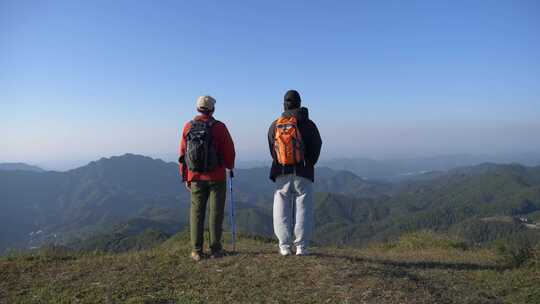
[[405, 168], [455, 201], [136, 233], [19, 167], [46, 207], [93, 198]]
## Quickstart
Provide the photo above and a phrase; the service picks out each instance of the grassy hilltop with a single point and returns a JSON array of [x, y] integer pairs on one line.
[[418, 268]]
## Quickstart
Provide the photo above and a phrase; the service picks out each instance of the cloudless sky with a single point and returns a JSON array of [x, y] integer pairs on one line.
[[84, 79]]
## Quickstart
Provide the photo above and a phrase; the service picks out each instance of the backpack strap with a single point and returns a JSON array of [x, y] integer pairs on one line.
[[211, 123]]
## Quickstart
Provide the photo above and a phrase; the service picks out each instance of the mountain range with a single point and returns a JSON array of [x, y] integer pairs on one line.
[[49, 206], [397, 169], [19, 167], [116, 200]]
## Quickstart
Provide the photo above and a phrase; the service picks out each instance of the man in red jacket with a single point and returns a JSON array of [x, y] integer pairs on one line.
[[206, 149]]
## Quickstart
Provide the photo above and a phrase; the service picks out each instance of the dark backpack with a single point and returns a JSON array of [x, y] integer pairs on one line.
[[201, 155]]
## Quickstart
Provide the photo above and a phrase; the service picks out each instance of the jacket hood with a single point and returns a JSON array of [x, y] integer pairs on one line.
[[302, 113], [292, 100]]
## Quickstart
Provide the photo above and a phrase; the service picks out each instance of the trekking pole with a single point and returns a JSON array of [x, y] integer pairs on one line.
[[231, 211]]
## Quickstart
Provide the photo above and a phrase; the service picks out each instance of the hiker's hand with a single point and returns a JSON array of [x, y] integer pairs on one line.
[[188, 186]]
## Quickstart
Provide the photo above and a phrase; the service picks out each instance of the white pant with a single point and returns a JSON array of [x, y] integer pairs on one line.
[[293, 192]]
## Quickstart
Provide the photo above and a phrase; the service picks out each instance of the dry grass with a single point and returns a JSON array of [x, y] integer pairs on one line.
[[259, 275]]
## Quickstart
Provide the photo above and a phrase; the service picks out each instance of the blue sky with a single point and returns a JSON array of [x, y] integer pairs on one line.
[[84, 79]]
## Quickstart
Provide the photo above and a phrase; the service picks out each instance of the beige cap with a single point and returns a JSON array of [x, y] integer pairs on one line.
[[206, 102]]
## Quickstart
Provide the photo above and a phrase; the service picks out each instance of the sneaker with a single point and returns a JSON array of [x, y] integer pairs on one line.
[[196, 256], [285, 251], [301, 251]]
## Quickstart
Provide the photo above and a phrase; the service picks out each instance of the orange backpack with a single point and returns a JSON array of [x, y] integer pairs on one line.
[[288, 145]]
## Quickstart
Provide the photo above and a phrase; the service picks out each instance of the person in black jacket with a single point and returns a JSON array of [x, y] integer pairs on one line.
[[294, 183]]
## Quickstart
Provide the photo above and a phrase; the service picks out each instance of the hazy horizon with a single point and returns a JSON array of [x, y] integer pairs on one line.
[[82, 80], [525, 158]]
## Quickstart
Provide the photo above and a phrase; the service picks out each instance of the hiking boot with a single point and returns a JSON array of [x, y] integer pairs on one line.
[[285, 251], [196, 256], [217, 254], [301, 251]]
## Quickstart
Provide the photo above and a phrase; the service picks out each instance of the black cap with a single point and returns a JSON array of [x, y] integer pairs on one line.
[[292, 100]]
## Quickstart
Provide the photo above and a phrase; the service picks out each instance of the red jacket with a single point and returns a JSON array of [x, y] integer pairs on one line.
[[224, 145]]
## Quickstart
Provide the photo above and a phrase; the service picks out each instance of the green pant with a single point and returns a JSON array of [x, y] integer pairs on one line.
[[202, 192]]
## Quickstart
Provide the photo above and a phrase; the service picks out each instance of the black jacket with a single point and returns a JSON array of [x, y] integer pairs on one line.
[[312, 143]]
